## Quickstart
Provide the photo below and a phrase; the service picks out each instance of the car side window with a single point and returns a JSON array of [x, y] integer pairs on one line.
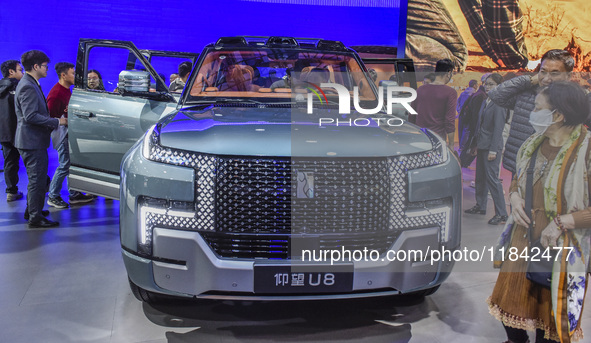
[[381, 72], [104, 64], [168, 68]]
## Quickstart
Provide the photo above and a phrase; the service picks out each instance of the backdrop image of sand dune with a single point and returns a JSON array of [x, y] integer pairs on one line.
[[537, 26], [547, 24]]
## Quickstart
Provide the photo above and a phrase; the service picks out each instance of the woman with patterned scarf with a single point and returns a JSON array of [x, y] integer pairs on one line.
[[561, 220]]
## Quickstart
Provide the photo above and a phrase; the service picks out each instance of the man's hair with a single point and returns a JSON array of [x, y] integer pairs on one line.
[[32, 57], [496, 77], [444, 66], [560, 55], [185, 68], [472, 83], [63, 67], [569, 99], [430, 76], [7, 66]]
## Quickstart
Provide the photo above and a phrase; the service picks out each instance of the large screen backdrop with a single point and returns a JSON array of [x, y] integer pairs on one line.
[[56, 26]]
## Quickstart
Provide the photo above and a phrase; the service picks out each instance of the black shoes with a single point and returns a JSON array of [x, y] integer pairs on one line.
[[476, 210], [57, 202], [45, 213], [80, 198], [43, 223], [14, 196], [497, 219]]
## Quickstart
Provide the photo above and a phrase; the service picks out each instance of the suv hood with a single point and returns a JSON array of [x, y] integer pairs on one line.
[[271, 132]]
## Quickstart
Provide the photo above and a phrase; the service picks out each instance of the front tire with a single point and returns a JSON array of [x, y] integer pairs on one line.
[[423, 293], [144, 295]]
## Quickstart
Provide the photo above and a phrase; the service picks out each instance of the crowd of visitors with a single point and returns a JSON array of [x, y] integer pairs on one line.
[[29, 122], [547, 151]]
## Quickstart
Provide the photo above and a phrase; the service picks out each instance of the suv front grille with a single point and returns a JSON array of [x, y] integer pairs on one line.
[[280, 246], [244, 203], [253, 195], [260, 196]]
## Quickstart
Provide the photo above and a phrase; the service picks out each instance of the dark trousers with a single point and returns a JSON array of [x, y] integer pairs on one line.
[[11, 166], [520, 335], [487, 178], [36, 161]]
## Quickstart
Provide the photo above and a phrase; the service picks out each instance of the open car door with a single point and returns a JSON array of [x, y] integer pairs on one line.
[[381, 62], [108, 113], [168, 62]]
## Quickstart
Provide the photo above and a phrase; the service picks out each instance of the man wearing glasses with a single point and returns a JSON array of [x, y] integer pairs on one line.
[[33, 130], [519, 94]]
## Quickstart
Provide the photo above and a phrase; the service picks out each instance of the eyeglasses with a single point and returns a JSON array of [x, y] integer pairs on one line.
[[44, 65]]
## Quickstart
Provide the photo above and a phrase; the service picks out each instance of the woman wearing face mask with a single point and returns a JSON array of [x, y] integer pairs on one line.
[[560, 217], [95, 80], [488, 149]]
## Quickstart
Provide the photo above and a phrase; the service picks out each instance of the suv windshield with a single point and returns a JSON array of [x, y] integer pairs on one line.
[[273, 75]]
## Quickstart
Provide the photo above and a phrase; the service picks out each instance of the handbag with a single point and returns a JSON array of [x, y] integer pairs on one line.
[[539, 270]]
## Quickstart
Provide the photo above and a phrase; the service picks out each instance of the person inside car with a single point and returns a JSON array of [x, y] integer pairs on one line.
[[95, 80], [179, 83]]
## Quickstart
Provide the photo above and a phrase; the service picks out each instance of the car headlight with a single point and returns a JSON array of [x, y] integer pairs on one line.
[[151, 140], [161, 213], [437, 155], [439, 146], [153, 151]]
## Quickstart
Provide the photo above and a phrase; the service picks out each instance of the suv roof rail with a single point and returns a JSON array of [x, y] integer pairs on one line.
[[376, 49], [276, 41], [281, 41], [231, 41], [333, 45]]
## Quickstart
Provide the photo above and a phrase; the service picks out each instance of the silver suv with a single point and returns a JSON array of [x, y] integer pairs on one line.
[[248, 184]]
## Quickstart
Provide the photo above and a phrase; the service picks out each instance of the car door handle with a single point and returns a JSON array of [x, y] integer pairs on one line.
[[83, 114]]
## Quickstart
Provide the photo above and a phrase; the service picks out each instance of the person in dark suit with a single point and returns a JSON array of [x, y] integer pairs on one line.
[[33, 130], [489, 146]]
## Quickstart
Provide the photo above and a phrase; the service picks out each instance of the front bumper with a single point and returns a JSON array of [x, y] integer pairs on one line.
[[197, 271], [183, 263]]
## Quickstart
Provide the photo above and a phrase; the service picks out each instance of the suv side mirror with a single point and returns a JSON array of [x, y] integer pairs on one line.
[[134, 81]]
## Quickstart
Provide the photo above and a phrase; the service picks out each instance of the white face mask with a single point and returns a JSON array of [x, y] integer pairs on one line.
[[541, 120]]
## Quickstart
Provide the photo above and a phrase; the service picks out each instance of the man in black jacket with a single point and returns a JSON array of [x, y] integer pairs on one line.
[[519, 94], [469, 117], [12, 72]]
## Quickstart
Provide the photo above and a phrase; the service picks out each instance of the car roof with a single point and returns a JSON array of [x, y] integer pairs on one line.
[[280, 42]]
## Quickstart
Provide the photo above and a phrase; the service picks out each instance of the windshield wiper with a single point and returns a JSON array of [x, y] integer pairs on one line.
[[228, 100], [238, 100]]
